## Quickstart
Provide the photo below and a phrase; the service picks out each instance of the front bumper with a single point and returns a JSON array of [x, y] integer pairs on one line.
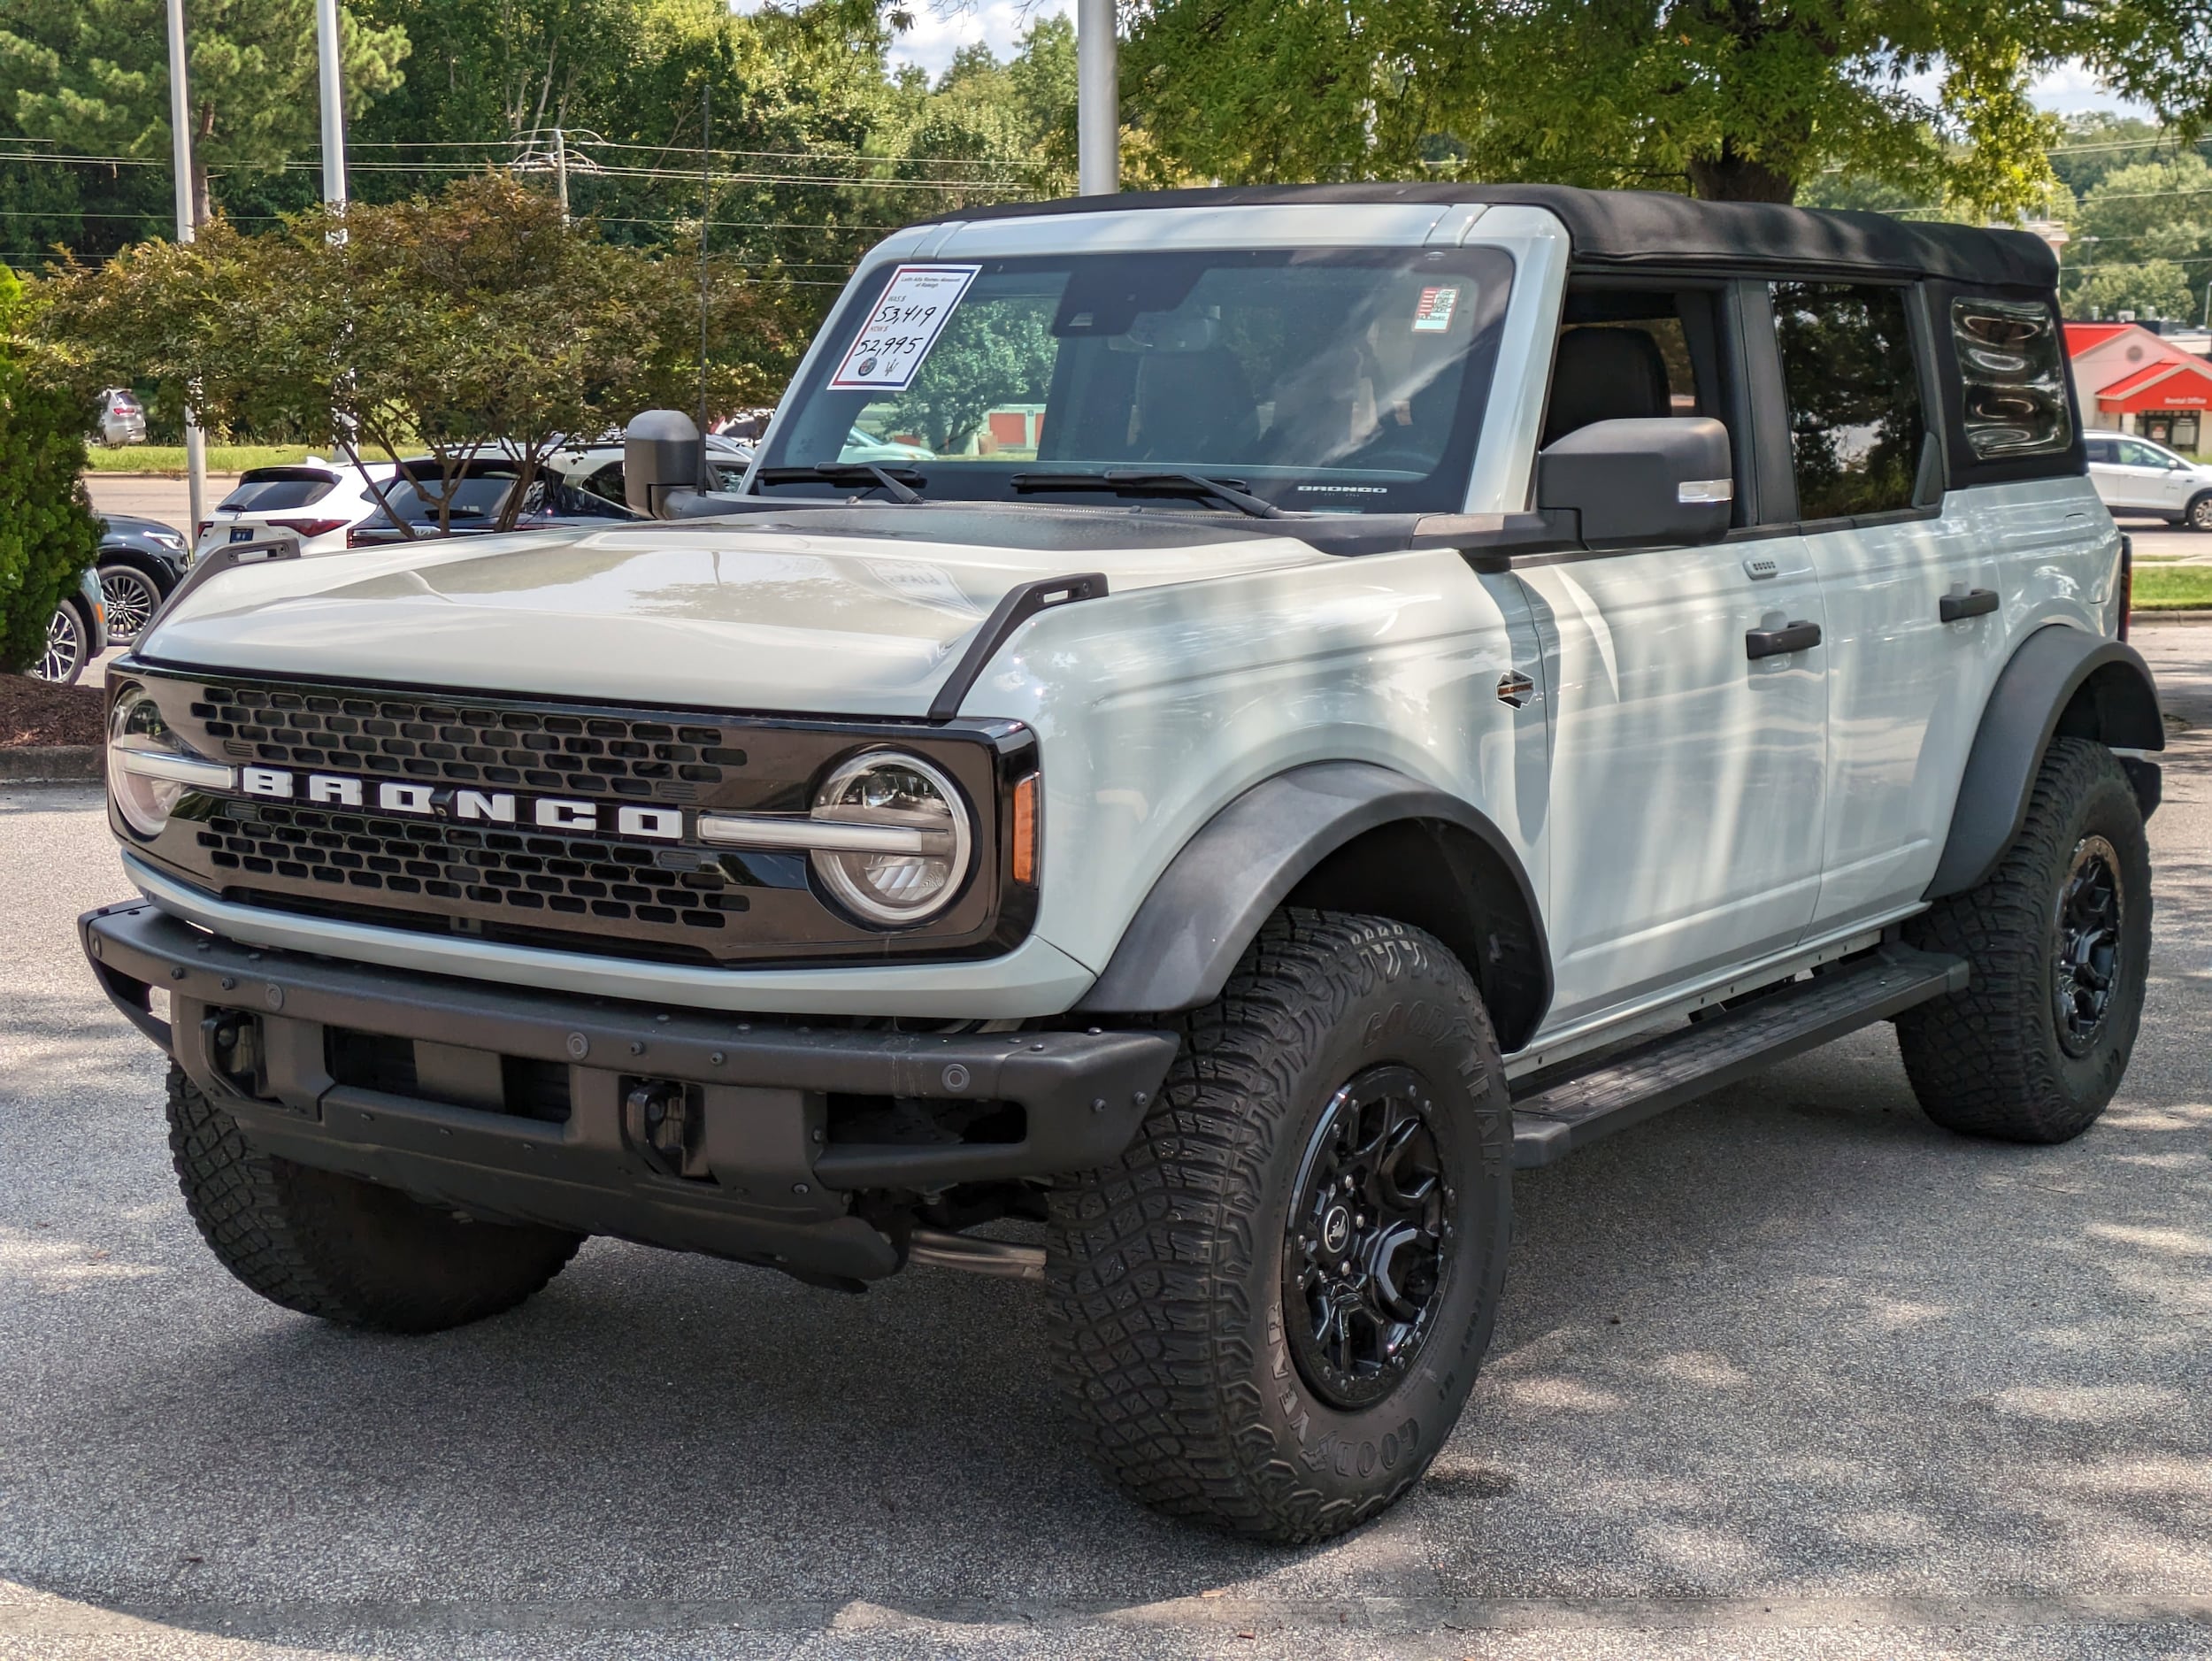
[[772, 1167]]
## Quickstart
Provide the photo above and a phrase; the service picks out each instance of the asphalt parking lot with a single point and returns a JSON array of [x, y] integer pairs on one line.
[[1787, 1372]]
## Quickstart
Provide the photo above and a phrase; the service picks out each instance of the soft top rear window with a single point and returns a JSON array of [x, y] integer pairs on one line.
[[277, 489]]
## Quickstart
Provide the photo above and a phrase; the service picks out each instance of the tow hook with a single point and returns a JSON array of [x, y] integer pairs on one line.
[[661, 1122]]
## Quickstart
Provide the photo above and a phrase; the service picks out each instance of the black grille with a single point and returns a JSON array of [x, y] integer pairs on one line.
[[459, 743], [553, 877]]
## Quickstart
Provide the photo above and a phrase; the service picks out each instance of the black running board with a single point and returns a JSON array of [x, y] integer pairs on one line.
[[1567, 1107]]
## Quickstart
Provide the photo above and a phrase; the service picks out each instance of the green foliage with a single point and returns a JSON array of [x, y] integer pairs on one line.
[[48, 534], [478, 319], [1742, 101], [93, 75], [2149, 288], [989, 355]]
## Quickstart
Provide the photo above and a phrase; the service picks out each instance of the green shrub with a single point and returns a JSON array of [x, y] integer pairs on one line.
[[48, 534]]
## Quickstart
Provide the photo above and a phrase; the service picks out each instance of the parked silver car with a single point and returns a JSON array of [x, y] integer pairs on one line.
[[2134, 476], [122, 419]]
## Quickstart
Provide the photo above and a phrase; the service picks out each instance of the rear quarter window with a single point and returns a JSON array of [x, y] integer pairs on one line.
[[2012, 378]]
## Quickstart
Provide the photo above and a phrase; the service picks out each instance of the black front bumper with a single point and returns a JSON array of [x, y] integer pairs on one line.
[[771, 1178]]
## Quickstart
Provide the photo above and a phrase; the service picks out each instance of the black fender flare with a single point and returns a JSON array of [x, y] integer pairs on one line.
[[1179, 949], [2101, 688]]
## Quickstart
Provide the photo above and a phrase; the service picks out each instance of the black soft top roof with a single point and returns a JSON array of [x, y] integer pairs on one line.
[[1628, 229]]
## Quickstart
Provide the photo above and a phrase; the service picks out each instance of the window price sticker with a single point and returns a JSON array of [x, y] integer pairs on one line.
[[917, 304], [1432, 312]]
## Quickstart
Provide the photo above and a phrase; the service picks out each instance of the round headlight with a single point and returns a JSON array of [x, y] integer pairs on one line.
[[911, 843], [143, 797]]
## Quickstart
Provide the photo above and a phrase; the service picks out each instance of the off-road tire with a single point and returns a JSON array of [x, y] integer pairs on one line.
[[1989, 1061], [1166, 1272], [353, 1252]]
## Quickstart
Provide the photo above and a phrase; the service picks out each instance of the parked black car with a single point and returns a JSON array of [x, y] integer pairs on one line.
[[141, 560], [479, 498]]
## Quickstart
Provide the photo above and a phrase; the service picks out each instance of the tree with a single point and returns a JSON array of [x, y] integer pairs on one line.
[[989, 355], [475, 322], [93, 76], [48, 534], [2148, 288], [1741, 100]]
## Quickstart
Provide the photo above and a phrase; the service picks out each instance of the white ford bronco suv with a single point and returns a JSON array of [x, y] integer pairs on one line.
[[1216, 726]]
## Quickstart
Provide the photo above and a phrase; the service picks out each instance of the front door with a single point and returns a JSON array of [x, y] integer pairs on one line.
[[1688, 777]]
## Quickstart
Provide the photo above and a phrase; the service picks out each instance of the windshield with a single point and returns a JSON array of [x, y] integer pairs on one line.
[[1344, 380]]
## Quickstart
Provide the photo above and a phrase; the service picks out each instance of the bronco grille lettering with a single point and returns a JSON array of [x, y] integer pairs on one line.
[[489, 807]]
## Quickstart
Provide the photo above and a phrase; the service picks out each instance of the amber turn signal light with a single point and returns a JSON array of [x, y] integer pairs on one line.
[[1025, 831]]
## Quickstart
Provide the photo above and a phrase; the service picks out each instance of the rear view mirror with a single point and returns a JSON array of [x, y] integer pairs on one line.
[[1642, 482]]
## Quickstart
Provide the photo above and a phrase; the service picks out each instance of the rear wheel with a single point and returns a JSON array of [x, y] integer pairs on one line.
[[2058, 941], [132, 597], [68, 643], [353, 1252], [1268, 1314]]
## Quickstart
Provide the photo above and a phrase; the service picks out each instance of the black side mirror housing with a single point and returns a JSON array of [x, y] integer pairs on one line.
[[662, 453], [1642, 482]]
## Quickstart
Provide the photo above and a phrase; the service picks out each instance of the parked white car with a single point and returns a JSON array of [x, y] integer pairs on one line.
[[317, 501], [2135, 476], [1469, 669]]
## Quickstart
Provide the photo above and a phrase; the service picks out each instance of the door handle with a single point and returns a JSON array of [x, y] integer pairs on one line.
[[1954, 607], [1780, 643]]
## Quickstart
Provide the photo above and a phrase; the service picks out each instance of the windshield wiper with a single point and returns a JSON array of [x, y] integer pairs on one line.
[[893, 481], [1139, 480]]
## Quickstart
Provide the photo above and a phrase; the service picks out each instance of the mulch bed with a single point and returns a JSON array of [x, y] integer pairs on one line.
[[33, 713]]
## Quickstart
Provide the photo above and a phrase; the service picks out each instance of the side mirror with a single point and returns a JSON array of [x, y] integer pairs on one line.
[[662, 453], [1642, 482]]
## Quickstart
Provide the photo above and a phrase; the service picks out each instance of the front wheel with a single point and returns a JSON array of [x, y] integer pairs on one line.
[[2198, 516], [1268, 1314], [2057, 940], [132, 597], [353, 1252]]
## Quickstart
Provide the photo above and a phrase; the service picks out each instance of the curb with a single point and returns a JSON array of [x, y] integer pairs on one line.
[[52, 763]]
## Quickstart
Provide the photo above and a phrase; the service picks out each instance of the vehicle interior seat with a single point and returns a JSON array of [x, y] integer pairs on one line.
[[1194, 407], [1605, 374]]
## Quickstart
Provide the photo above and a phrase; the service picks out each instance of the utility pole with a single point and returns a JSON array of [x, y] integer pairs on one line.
[[181, 136], [1097, 100], [334, 96]]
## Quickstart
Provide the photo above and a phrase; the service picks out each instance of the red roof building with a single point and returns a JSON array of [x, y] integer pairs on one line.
[[2131, 380]]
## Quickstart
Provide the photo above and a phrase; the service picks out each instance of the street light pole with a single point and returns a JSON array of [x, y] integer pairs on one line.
[[1097, 100], [180, 135], [334, 96]]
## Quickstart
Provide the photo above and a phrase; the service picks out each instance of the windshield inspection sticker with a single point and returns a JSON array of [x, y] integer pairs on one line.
[[917, 304], [1432, 312]]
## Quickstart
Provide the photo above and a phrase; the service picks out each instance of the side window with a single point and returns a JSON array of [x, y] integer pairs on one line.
[[2135, 453], [1624, 350], [2101, 449], [2012, 368], [1855, 421]]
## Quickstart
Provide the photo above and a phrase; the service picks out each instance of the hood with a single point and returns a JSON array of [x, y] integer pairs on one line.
[[840, 617]]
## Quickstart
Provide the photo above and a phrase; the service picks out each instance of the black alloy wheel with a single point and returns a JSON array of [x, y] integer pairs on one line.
[[132, 597], [2085, 945], [1365, 1256], [63, 659]]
